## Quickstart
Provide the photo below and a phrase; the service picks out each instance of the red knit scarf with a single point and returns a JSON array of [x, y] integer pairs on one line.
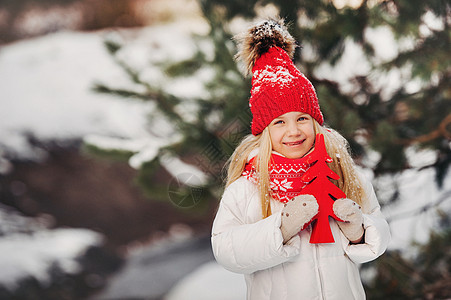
[[284, 176]]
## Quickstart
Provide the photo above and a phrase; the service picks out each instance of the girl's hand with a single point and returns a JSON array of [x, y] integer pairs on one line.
[[297, 213], [351, 213]]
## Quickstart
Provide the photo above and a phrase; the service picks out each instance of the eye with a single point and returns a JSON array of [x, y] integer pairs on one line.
[[277, 122], [303, 118]]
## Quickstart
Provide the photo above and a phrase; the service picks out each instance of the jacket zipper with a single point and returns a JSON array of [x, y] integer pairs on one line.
[[319, 273]]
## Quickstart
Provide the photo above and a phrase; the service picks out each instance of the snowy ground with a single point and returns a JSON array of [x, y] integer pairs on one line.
[[151, 272], [46, 92], [29, 249], [209, 281]]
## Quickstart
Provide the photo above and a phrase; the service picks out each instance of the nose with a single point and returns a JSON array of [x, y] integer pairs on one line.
[[293, 129]]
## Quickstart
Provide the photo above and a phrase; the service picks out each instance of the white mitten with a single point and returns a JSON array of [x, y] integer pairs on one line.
[[297, 212], [351, 213]]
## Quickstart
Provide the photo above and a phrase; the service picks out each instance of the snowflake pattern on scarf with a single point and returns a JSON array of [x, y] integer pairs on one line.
[[283, 185]]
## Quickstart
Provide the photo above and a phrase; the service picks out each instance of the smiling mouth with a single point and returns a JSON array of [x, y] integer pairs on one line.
[[293, 144]]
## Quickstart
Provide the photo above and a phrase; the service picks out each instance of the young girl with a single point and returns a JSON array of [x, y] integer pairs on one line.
[[262, 228]]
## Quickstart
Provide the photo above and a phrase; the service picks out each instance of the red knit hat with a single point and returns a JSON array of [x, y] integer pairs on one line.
[[278, 86]]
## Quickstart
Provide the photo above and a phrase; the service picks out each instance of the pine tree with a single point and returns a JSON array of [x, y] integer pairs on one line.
[[389, 124], [415, 113], [425, 276], [204, 145]]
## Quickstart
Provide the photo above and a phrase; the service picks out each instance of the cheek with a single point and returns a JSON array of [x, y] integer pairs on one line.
[[310, 130], [312, 135], [275, 135]]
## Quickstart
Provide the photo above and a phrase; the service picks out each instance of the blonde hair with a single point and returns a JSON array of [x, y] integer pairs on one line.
[[336, 145]]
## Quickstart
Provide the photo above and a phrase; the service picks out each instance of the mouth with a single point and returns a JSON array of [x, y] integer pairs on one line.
[[293, 144]]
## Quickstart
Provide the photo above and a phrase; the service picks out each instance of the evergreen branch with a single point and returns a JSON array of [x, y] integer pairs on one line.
[[333, 87], [103, 89], [404, 268], [437, 287], [444, 197], [442, 130], [113, 154], [165, 102], [112, 46]]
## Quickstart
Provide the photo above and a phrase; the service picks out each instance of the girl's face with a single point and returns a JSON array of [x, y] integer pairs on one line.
[[292, 134]]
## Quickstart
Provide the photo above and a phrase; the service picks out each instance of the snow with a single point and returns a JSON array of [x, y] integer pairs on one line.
[[32, 255], [431, 23], [29, 249], [59, 71], [151, 271], [192, 86], [222, 285], [46, 92], [352, 63], [409, 221], [272, 75], [183, 172], [382, 35]]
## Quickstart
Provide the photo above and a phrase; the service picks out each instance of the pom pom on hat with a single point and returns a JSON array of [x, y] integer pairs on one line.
[[258, 39], [278, 86]]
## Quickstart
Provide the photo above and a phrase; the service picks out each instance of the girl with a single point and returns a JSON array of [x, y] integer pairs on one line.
[[262, 227]]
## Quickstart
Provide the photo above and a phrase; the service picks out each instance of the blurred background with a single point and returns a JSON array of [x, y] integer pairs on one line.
[[116, 119]]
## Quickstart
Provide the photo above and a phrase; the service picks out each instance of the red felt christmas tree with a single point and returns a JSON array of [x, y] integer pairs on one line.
[[323, 190]]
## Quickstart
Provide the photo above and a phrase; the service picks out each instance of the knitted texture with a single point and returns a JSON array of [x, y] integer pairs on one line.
[[351, 213], [279, 87], [284, 175]]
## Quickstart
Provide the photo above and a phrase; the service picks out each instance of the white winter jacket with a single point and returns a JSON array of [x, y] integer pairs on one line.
[[245, 243]]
